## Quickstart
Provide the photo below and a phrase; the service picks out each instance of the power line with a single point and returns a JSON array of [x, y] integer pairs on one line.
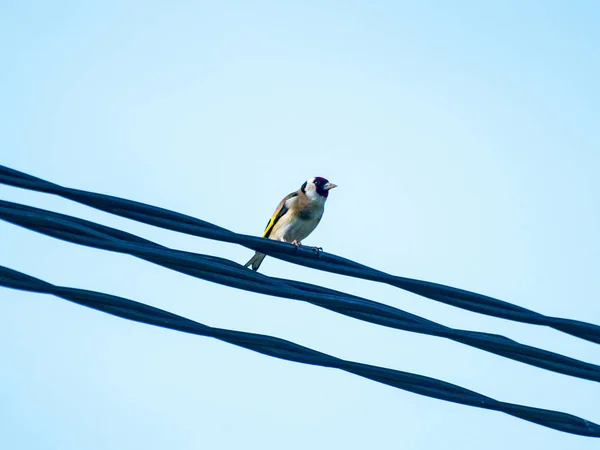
[[290, 351], [232, 274], [229, 273], [328, 262]]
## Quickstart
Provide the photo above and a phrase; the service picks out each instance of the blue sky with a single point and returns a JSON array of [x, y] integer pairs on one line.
[[464, 139]]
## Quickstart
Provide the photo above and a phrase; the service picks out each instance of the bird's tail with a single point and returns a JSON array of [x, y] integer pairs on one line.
[[256, 260]]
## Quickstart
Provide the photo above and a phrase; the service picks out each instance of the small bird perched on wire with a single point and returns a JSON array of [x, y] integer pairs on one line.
[[296, 216]]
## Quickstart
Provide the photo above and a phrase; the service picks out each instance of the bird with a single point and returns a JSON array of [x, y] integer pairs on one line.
[[296, 216]]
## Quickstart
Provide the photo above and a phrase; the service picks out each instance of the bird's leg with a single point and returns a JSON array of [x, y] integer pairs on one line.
[[317, 250]]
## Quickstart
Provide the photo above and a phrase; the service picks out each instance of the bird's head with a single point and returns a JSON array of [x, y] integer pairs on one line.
[[317, 188]]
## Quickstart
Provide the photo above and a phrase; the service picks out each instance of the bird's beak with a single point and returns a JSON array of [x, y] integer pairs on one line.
[[329, 186]]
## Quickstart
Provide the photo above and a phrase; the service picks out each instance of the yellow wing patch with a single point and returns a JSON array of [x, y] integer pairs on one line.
[[271, 224], [279, 212]]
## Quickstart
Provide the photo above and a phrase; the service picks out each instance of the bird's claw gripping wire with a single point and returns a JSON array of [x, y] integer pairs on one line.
[[316, 250]]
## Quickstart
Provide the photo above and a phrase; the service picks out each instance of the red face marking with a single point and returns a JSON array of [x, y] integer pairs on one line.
[[320, 183]]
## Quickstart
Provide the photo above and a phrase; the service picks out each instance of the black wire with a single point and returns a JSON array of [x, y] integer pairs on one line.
[[290, 351], [229, 273], [179, 222]]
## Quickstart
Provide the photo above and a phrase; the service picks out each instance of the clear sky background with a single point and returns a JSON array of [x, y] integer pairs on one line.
[[464, 137]]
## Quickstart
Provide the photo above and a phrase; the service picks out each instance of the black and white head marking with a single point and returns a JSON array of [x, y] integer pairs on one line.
[[316, 189]]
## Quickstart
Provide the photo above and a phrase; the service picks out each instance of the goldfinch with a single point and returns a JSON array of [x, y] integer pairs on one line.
[[296, 216]]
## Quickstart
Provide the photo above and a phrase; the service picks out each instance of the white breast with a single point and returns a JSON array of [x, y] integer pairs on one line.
[[297, 229]]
